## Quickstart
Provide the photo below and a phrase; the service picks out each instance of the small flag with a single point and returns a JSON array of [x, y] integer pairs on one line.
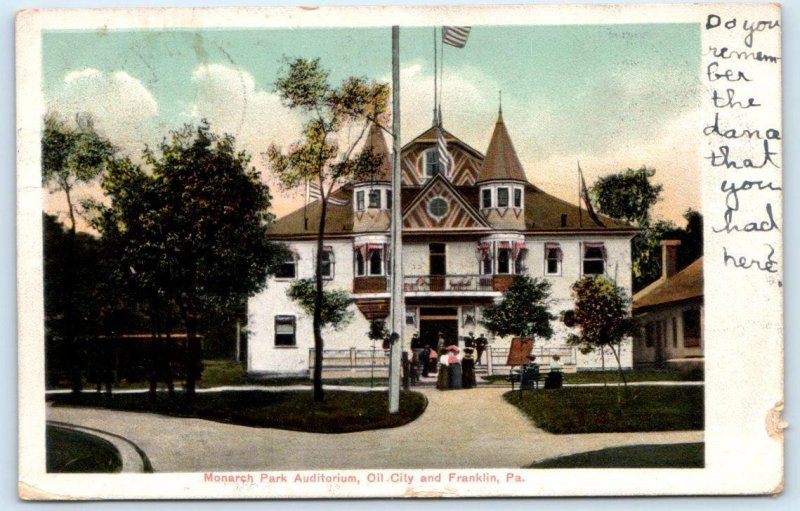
[[585, 197], [313, 191], [337, 202], [445, 160], [455, 36]]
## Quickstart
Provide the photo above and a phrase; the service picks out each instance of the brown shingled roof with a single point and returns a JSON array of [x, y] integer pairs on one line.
[[501, 160], [686, 284], [377, 143]]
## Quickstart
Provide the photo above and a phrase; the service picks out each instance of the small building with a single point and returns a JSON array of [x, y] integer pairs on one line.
[[669, 315]]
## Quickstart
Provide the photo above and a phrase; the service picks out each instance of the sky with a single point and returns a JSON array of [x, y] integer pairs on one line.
[[608, 96]]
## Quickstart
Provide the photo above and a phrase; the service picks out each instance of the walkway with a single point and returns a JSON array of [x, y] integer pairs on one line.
[[483, 432]]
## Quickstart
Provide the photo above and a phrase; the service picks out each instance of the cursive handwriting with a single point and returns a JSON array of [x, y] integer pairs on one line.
[[770, 265], [723, 159], [750, 27]]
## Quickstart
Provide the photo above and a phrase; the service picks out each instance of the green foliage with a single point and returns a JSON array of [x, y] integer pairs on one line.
[[600, 314], [524, 310], [377, 330], [628, 195], [335, 303], [633, 456]]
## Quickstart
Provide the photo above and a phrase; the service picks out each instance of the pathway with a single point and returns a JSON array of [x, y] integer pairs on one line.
[[473, 428]]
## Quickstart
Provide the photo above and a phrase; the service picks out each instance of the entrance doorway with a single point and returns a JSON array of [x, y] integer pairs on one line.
[[434, 321]]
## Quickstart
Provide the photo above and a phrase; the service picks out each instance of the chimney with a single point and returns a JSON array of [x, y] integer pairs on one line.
[[669, 258]]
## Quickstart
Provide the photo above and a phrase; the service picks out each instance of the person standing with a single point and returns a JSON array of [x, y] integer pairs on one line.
[[480, 345], [425, 360], [453, 368], [441, 378], [468, 369]]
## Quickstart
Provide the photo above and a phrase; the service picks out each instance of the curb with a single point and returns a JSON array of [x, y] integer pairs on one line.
[[134, 460]]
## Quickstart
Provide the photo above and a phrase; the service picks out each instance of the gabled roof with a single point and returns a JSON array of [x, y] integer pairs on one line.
[[462, 214], [429, 137], [501, 162], [377, 143], [684, 285]]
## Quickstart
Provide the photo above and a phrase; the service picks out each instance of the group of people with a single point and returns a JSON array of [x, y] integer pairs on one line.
[[455, 371]]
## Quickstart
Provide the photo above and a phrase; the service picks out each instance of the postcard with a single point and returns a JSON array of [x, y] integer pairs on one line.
[[346, 252]]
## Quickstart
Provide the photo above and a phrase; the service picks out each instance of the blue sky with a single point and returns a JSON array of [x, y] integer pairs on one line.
[[610, 96]]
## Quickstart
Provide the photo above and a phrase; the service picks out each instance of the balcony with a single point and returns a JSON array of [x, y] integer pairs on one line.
[[455, 283], [370, 285]]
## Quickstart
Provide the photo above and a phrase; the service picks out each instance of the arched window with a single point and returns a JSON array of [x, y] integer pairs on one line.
[[431, 163]]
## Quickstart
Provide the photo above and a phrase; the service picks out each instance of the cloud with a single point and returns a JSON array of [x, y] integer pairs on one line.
[[123, 108]]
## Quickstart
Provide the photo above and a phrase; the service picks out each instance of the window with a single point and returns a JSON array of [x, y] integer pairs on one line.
[[504, 261], [674, 332], [327, 262], [431, 163], [375, 199], [375, 262], [285, 331], [437, 207], [437, 258], [360, 264], [594, 259], [517, 197], [691, 328], [650, 334], [388, 199], [519, 262], [486, 198], [563, 220], [360, 200], [502, 197], [411, 316], [552, 259], [288, 268], [486, 266]]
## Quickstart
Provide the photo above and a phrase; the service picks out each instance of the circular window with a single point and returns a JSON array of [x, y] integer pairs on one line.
[[437, 207]]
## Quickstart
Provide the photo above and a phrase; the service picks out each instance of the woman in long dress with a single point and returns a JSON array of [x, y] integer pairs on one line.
[[453, 368], [468, 369], [441, 378]]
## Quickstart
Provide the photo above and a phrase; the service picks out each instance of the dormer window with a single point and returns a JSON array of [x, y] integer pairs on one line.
[[502, 197], [431, 162], [486, 198]]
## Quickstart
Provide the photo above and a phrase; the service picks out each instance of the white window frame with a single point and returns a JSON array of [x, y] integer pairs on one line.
[[510, 262], [294, 332], [368, 264], [331, 264], [374, 193], [508, 196], [359, 203], [559, 262], [584, 259], [363, 273], [514, 197], [294, 258], [484, 192], [425, 165]]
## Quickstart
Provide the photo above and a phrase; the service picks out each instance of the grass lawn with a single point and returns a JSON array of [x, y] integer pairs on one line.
[[341, 412], [612, 377], [634, 456], [595, 409], [75, 452]]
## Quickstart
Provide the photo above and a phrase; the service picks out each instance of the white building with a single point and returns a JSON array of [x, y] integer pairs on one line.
[[465, 236]]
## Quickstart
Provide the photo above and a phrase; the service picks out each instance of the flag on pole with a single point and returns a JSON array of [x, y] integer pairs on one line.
[[313, 191], [585, 197], [445, 160], [455, 36]]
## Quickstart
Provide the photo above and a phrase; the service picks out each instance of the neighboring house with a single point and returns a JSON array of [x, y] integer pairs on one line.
[[669, 314], [465, 236]]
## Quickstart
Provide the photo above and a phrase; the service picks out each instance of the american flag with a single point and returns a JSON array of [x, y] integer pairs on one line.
[[313, 191], [585, 197], [445, 160], [455, 36]]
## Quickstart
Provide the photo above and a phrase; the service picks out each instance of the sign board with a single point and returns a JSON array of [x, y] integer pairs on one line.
[[519, 351]]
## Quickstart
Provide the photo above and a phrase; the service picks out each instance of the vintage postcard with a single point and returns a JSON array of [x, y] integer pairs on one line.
[[400, 251]]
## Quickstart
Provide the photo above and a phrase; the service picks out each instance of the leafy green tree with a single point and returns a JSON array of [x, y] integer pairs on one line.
[[629, 196], [523, 312], [601, 315], [72, 155], [191, 229], [330, 112], [335, 303], [377, 330]]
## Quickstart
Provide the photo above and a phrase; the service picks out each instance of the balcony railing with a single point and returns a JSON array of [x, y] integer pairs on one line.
[[370, 285], [442, 283]]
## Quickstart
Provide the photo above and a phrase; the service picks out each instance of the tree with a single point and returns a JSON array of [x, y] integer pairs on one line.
[[329, 112], [601, 317], [629, 196], [523, 311], [335, 303], [192, 229], [72, 155]]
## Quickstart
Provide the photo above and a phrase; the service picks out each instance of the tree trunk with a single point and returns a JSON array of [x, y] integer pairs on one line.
[[319, 394], [621, 372]]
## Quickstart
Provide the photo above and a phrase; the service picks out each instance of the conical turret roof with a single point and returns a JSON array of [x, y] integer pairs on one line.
[[501, 161], [377, 144]]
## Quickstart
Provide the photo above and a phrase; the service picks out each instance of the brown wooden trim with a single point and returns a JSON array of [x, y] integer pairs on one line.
[[369, 285], [373, 308], [502, 282]]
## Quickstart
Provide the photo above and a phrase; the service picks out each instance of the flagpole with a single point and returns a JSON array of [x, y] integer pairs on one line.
[[580, 195], [435, 73], [398, 305], [305, 207]]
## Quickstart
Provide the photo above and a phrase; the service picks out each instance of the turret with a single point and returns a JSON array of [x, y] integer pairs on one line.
[[372, 196], [502, 181]]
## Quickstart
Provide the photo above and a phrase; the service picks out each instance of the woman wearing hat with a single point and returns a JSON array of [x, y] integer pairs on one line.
[[468, 369], [441, 378], [453, 367]]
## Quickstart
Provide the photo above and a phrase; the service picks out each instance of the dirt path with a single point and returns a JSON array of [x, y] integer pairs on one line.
[[473, 428]]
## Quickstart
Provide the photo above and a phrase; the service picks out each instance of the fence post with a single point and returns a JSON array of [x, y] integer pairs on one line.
[[352, 360], [489, 365]]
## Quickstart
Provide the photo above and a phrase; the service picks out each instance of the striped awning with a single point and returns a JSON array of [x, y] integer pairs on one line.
[[598, 245], [553, 248]]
